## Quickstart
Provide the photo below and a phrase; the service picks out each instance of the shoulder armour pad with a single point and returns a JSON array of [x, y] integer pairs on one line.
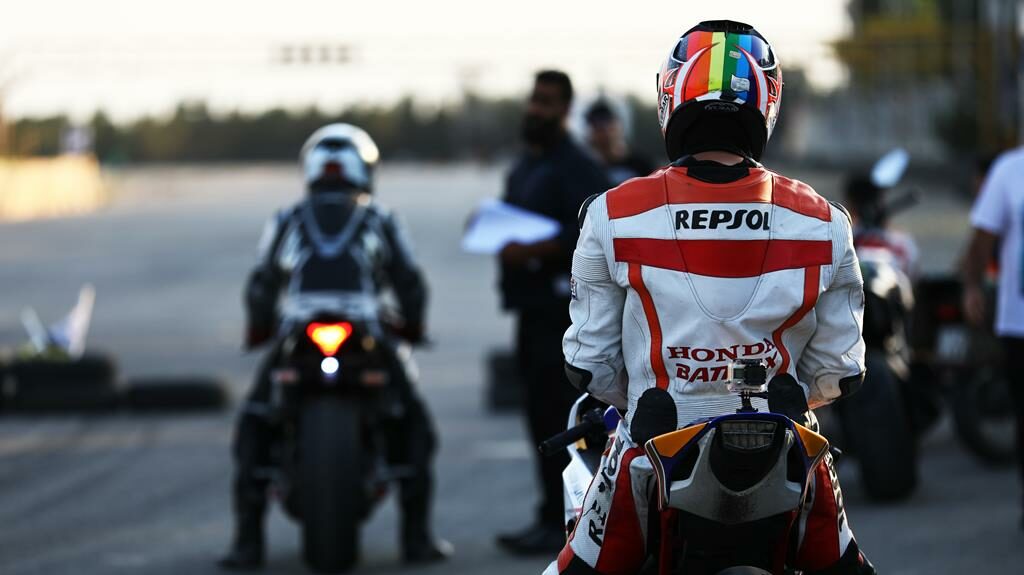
[[583, 209], [843, 209]]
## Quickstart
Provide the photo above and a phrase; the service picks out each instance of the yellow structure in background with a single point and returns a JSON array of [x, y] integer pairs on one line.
[[33, 188]]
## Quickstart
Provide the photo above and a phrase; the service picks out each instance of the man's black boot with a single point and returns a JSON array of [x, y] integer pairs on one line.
[[425, 548], [247, 550], [538, 539], [418, 544]]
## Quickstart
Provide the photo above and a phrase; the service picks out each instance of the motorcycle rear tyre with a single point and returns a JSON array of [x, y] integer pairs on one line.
[[330, 483], [876, 426], [971, 398]]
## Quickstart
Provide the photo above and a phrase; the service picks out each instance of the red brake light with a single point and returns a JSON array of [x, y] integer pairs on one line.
[[329, 336]]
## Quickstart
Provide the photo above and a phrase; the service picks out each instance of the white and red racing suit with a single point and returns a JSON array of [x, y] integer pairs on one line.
[[675, 277]]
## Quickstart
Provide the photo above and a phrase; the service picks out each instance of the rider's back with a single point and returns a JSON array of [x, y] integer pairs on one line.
[[714, 263], [336, 252]]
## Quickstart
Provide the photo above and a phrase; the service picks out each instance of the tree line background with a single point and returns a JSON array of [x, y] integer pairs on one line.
[[473, 128]]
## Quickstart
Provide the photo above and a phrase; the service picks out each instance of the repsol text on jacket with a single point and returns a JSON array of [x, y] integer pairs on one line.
[[713, 219]]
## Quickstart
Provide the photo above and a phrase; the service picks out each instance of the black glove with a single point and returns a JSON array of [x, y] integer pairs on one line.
[[413, 333], [655, 415], [786, 397]]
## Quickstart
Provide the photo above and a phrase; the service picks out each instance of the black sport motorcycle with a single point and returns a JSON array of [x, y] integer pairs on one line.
[[877, 421], [966, 367], [727, 491], [331, 394]]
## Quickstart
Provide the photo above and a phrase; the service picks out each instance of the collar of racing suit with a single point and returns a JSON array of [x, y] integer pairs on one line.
[[714, 172]]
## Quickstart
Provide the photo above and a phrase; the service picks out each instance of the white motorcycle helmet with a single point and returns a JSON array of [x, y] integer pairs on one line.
[[339, 156]]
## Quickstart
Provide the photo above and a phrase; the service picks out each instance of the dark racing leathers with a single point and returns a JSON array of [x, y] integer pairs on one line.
[[675, 276], [334, 252]]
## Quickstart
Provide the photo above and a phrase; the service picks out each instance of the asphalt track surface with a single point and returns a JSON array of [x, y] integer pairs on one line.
[[127, 493]]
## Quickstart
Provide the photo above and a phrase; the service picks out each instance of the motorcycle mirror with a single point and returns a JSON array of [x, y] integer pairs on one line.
[[889, 169], [907, 200]]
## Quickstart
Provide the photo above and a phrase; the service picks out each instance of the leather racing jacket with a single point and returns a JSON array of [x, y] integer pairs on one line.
[[678, 274], [333, 252]]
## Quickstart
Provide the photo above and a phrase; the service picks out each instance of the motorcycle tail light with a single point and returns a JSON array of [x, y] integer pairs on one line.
[[747, 435], [329, 337]]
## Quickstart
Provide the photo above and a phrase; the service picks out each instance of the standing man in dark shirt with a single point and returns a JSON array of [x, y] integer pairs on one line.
[[552, 178]]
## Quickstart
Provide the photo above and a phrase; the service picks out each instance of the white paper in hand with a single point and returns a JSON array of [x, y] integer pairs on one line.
[[497, 224]]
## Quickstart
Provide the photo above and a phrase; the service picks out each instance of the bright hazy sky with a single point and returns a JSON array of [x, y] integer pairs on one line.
[[143, 56]]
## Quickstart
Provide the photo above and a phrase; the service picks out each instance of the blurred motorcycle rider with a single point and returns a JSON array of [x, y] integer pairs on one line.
[[711, 258], [336, 250], [606, 137], [866, 202]]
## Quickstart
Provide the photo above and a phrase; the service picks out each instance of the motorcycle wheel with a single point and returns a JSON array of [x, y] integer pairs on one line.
[[876, 426], [983, 416], [330, 483]]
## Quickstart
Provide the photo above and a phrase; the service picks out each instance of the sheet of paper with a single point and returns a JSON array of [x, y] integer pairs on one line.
[[497, 224]]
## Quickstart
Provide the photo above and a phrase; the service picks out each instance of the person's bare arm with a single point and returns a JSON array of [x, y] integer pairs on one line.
[[978, 255]]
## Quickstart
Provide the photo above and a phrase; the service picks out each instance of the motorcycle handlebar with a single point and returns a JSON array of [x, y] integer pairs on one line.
[[593, 422]]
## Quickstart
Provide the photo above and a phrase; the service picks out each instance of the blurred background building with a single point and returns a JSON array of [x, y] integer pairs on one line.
[[940, 77]]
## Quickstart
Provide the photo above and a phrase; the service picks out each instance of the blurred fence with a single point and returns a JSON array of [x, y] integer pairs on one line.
[[48, 187]]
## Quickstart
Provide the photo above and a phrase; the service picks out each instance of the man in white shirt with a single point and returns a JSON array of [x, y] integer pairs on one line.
[[998, 216]]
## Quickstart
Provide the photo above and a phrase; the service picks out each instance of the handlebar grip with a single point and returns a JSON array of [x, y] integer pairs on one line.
[[593, 422]]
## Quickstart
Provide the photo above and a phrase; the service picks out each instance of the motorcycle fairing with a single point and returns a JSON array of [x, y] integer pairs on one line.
[[687, 481], [584, 460]]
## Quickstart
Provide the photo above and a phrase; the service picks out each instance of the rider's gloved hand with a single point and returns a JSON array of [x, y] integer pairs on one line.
[[412, 333], [785, 396]]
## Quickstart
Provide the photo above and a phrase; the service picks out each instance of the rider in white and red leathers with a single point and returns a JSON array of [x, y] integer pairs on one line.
[[709, 260]]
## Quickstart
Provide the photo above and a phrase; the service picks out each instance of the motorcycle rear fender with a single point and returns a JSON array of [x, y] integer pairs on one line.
[[702, 494]]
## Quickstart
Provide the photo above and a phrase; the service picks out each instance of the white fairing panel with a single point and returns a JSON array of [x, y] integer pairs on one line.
[[705, 496]]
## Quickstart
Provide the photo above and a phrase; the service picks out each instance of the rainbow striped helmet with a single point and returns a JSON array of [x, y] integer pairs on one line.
[[720, 89]]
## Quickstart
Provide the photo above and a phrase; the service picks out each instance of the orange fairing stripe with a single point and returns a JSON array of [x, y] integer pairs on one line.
[[812, 277], [814, 444], [636, 280], [668, 445]]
